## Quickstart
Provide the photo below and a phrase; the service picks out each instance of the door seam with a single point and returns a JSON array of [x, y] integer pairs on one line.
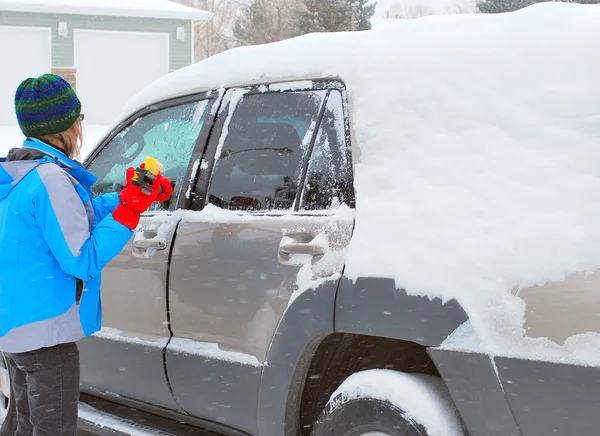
[[343, 273], [168, 307]]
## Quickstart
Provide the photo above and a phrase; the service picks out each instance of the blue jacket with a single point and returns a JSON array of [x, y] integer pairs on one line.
[[54, 241]]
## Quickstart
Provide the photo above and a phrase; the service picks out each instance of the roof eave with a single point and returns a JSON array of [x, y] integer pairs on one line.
[[193, 15]]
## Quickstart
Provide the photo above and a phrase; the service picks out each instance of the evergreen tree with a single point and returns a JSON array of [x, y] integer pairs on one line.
[[364, 13], [264, 21], [335, 15]]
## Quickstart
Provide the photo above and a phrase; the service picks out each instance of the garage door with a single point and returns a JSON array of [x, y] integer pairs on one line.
[[24, 52], [113, 66]]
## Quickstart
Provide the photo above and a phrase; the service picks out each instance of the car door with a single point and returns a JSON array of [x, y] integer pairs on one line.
[[275, 220], [126, 357]]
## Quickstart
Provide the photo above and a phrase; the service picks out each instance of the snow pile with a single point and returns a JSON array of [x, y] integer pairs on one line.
[[122, 8], [424, 399], [476, 142]]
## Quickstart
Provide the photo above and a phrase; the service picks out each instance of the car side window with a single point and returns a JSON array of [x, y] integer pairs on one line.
[[263, 149], [168, 135], [329, 178]]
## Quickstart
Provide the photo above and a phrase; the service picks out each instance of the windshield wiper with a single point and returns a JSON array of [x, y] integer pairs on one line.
[[229, 152]]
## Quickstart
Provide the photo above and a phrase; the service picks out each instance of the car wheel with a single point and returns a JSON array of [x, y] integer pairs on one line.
[[8, 415], [366, 417], [389, 403]]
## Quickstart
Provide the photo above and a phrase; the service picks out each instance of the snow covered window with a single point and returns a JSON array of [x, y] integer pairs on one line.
[[168, 135], [329, 175], [264, 150]]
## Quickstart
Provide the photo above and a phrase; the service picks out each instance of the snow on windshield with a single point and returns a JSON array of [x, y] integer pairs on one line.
[[477, 150]]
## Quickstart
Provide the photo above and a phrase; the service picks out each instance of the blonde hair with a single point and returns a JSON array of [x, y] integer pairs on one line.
[[71, 140]]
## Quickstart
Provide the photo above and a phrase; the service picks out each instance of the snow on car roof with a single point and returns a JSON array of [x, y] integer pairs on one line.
[[479, 138], [123, 8]]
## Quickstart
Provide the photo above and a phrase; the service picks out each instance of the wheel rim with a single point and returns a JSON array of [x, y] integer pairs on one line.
[[4, 389]]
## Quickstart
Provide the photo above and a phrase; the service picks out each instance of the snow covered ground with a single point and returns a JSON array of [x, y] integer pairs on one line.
[[11, 137]]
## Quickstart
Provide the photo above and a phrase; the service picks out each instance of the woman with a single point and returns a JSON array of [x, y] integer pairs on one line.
[[54, 242]]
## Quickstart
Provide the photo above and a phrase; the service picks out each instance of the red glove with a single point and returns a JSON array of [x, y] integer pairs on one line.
[[134, 202], [165, 190]]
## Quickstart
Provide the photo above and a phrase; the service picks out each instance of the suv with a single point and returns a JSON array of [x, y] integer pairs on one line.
[[229, 306], [233, 308]]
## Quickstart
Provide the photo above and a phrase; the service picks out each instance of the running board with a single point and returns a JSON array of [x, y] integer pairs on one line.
[[103, 418]]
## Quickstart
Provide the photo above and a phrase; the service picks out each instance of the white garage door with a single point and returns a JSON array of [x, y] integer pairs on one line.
[[25, 52], [113, 66]]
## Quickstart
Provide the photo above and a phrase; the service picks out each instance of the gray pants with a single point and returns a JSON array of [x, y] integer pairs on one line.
[[45, 386]]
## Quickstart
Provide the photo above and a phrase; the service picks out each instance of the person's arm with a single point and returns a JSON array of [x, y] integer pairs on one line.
[[65, 227], [104, 205]]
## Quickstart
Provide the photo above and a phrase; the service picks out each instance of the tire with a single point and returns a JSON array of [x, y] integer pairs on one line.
[[8, 413], [366, 416], [389, 403]]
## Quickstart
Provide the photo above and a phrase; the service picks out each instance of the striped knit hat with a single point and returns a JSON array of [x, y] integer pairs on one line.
[[46, 105]]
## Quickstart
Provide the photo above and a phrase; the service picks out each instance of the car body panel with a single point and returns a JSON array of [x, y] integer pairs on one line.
[[550, 315], [228, 289], [134, 305], [307, 320], [120, 369], [501, 396], [549, 398], [126, 358], [474, 386], [377, 307], [231, 280], [213, 389]]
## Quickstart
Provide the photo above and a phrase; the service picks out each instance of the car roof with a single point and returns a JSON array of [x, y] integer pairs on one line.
[[412, 56]]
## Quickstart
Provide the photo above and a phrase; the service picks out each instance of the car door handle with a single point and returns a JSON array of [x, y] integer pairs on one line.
[[299, 248], [145, 244]]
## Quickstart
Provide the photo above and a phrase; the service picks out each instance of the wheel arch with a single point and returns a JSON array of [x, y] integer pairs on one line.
[[307, 321], [321, 317], [376, 307], [340, 356]]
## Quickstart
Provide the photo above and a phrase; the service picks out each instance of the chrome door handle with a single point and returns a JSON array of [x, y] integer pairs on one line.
[[299, 248], [310, 249], [145, 244]]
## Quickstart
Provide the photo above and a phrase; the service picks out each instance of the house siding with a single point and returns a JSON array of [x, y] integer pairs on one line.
[[180, 52]]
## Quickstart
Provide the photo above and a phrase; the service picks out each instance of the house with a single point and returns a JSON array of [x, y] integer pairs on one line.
[[107, 49]]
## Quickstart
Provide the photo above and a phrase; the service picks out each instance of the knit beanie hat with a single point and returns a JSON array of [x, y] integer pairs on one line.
[[46, 105]]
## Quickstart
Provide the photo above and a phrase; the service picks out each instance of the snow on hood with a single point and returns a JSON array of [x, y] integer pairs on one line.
[[479, 144]]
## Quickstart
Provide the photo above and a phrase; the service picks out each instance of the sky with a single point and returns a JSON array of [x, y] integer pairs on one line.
[[383, 6]]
